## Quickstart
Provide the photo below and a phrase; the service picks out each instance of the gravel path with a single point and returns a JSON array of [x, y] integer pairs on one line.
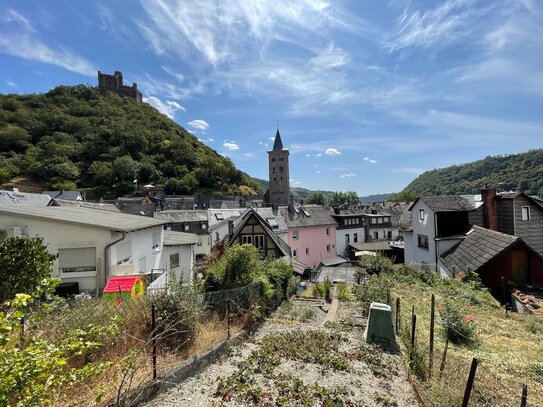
[[363, 383]]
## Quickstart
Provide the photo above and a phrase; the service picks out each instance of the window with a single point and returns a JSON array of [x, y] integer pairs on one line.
[[203, 225], [200, 241], [273, 159], [273, 168], [246, 239], [294, 235], [373, 220], [219, 216], [259, 242], [156, 242], [347, 239], [384, 233], [328, 248], [379, 220], [77, 260], [327, 231], [355, 237], [357, 221], [307, 251], [423, 241], [525, 213], [272, 222], [376, 235], [421, 214], [174, 260], [186, 227], [389, 234], [295, 253], [124, 252]]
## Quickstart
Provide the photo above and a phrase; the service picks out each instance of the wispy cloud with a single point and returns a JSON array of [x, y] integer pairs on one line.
[[445, 23], [332, 151], [199, 124], [11, 84], [231, 145], [19, 38], [168, 108], [369, 160], [347, 175]]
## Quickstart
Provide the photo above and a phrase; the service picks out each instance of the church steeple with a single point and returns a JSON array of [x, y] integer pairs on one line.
[[277, 144]]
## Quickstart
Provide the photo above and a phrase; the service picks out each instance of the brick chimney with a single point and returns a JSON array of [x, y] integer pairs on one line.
[[490, 211]]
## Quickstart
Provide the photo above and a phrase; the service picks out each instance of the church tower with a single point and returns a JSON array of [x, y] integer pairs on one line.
[[279, 192]]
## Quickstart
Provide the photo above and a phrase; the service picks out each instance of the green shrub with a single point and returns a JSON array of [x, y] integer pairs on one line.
[[459, 323], [375, 264], [328, 289], [374, 291], [428, 276]]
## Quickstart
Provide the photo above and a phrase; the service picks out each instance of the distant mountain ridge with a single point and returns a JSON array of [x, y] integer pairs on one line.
[[78, 137], [522, 172]]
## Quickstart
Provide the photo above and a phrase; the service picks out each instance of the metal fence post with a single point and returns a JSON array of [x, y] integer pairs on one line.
[[524, 398], [22, 333], [432, 317], [228, 317], [153, 339]]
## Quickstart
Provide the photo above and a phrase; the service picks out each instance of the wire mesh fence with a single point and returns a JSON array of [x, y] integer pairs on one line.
[[145, 338], [444, 369]]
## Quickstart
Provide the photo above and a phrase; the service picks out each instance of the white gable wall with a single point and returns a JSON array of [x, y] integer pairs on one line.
[[424, 227]]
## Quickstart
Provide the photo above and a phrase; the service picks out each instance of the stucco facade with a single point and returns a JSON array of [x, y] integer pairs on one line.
[[310, 245]]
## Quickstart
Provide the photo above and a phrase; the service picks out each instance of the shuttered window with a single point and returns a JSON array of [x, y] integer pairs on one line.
[[77, 260]]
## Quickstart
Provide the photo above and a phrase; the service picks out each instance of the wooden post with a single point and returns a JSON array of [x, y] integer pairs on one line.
[[524, 398], [153, 339], [22, 333], [432, 318], [398, 317], [469, 384], [442, 367]]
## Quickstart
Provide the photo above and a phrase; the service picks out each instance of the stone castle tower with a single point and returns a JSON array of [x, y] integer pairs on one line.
[[114, 83], [279, 190]]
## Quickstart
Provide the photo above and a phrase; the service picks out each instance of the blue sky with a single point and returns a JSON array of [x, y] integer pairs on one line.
[[368, 94]]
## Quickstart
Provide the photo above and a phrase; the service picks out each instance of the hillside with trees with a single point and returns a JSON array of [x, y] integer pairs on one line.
[[75, 137], [522, 172]]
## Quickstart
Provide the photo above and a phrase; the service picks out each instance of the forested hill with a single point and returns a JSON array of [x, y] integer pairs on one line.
[[75, 137], [516, 171]]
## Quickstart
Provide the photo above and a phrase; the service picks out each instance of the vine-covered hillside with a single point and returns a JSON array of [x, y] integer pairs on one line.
[[516, 171], [74, 137]]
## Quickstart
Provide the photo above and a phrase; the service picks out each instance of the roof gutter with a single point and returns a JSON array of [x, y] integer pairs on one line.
[[106, 254]]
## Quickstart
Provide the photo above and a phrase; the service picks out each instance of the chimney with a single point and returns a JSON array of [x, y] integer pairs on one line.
[[230, 227], [337, 211], [490, 211]]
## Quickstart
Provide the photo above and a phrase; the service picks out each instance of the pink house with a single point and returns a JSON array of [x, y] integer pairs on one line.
[[311, 233]]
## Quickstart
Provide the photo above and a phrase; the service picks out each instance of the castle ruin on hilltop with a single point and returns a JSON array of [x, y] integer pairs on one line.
[[114, 83]]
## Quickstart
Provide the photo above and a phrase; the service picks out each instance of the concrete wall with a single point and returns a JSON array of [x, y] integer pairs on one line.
[[408, 247], [144, 257], [316, 240]]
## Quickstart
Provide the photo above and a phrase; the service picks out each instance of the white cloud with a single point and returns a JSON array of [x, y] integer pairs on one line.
[[11, 84], [331, 57], [446, 23], [199, 124], [18, 38], [231, 145], [332, 151], [318, 172], [369, 160], [250, 155], [318, 155], [169, 108], [297, 183], [348, 175], [308, 155]]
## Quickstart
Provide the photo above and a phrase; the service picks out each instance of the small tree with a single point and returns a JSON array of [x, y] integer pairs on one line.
[[25, 267], [375, 264]]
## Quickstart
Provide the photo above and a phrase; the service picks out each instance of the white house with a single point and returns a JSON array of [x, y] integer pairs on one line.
[[91, 244], [178, 254], [350, 229], [438, 224]]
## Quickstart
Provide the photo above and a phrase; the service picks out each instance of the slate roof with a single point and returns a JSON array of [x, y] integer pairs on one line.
[[98, 218], [138, 209], [318, 216], [172, 238], [240, 222], [480, 246], [68, 195], [214, 216], [178, 216], [446, 203], [87, 204], [278, 143], [10, 198]]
